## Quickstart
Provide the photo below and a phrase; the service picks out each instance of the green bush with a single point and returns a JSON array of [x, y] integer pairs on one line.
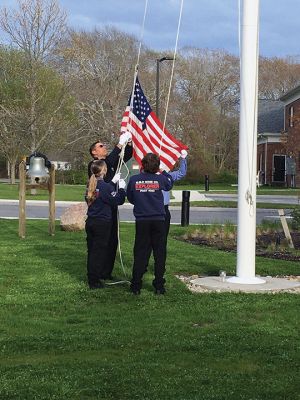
[[223, 177], [71, 177], [295, 214]]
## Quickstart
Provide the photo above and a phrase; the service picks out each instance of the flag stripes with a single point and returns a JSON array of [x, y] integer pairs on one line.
[[148, 134]]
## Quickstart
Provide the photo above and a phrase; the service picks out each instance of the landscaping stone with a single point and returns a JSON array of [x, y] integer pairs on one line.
[[73, 219]]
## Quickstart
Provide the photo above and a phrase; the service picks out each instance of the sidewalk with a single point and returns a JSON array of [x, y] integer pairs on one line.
[[194, 196]]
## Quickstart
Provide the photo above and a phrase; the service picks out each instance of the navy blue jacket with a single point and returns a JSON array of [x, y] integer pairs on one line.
[[112, 161], [144, 191], [106, 197]]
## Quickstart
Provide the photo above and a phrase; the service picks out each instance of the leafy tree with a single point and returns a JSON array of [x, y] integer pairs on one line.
[[36, 95], [53, 108], [12, 112]]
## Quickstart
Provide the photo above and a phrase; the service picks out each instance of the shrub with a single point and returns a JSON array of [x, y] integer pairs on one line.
[[71, 177], [295, 214], [223, 177]]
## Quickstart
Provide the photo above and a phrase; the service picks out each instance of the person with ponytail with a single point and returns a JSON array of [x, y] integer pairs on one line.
[[100, 197], [99, 151]]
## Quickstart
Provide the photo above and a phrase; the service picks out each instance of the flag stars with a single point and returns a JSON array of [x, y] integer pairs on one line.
[[141, 107]]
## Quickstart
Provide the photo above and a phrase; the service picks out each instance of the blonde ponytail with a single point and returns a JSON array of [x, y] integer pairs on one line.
[[98, 169], [91, 190]]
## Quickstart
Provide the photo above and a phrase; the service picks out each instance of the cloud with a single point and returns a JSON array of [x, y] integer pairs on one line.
[[205, 24]]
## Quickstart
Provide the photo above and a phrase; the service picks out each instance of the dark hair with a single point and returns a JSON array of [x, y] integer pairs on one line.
[[98, 167], [151, 163], [92, 147]]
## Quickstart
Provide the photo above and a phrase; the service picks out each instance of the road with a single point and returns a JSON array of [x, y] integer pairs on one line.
[[198, 215]]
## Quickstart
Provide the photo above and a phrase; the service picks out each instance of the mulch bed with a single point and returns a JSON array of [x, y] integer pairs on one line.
[[262, 243]]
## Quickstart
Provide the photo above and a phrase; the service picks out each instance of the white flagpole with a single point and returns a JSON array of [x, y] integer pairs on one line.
[[246, 235]]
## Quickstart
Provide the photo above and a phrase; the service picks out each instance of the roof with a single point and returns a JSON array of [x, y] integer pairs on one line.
[[291, 93], [270, 116]]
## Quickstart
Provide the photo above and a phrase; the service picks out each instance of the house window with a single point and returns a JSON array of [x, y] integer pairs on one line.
[[291, 116]]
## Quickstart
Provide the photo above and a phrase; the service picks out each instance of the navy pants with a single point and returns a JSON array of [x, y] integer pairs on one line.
[[97, 238], [112, 245], [150, 235]]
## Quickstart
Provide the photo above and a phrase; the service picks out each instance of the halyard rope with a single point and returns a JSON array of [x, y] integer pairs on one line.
[[172, 73], [121, 156], [248, 194]]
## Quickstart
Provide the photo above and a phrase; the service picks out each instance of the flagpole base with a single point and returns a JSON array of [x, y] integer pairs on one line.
[[246, 281]]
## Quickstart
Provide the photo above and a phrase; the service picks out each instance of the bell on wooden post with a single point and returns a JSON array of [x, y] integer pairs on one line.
[[37, 169]]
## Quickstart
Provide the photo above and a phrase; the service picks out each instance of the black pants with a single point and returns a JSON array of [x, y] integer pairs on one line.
[[97, 238], [167, 220], [112, 246], [149, 236], [167, 228]]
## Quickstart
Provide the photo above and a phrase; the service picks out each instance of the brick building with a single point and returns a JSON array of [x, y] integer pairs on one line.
[[275, 166]]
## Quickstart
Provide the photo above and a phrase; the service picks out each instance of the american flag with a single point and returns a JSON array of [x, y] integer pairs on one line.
[[148, 134]]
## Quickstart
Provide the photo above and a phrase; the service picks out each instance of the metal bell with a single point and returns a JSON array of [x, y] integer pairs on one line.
[[37, 168]]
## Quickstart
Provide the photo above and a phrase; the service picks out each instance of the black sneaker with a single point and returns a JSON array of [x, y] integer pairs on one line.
[[107, 278], [160, 291], [136, 292], [97, 285]]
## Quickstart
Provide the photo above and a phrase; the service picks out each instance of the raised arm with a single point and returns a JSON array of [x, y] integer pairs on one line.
[[128, 152], [181, 172], [113, 158]]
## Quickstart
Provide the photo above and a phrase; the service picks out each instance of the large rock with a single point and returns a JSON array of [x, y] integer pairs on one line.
[[73, 219]]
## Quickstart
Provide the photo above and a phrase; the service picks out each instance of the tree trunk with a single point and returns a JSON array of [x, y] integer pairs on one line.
[[12, 172]]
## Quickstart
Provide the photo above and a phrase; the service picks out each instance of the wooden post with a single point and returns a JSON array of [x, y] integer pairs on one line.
[[286, 228], [51, 188], [22, 199]]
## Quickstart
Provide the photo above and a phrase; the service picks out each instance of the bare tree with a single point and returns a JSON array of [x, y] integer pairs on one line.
[[99, 67], [277, 76], [36, 27], [207, 89]]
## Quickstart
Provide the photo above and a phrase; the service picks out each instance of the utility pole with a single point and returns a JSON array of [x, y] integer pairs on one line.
[[158, 61]]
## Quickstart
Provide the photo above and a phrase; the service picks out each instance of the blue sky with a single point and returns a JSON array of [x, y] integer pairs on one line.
[[209, 24]]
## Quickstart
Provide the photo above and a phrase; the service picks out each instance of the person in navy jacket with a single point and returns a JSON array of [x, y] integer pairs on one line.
[[144, 191], [101, 197], [98, 151]]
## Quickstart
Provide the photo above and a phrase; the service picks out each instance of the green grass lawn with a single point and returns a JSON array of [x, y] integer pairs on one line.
[[62, 192], [60, 340]]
